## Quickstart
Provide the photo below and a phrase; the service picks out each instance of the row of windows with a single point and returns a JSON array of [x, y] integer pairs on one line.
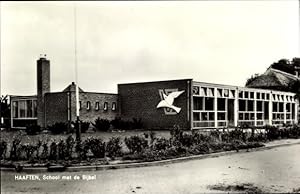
[[207, 104], [24, 109], [97, 106], [210, 92]]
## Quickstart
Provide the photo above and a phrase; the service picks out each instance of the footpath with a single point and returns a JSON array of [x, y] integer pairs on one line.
[[120, 164]]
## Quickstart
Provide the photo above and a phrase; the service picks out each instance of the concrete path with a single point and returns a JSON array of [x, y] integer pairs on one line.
[[273, 170]]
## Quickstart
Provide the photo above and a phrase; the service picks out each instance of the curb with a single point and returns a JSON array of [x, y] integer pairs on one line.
[[141, 164]]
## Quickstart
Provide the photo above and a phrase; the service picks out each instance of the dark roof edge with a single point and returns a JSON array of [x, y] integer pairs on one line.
[[155, 81]]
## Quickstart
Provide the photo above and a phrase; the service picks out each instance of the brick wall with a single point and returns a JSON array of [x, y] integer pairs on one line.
[[92, 114], [56, 108], [139, 100], [43, 86]]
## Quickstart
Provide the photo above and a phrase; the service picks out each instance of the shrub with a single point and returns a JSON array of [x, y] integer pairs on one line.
[[187, 140], [84, 126], [272, 132], [101, 124], [45, 151], [33, 129], [81, 149], [161, 144], [53, 151], [97, 147], [136, 143], [15, 149], [61, 150], [69, 146], [117, 123], [201, 148], [113, 147], [3, 149], [137, 123], [58, 128]]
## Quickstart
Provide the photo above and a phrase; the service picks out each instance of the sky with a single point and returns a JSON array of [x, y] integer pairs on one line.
[[222, 42]]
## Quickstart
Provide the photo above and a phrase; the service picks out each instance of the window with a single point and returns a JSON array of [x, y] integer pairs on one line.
[[34, 108], [198, 103], [221, 103], [242, 105], [257, 95], [246, 94], [97, 106], [251, 95], [280, 107], [22, 108], [29, 108], [209, 104], [196, 116], [79, 105], [241, 94], [259, 106], [15, 109], [226, 93], [221, 115], [250, 105], [113, 106], [88, 105], [105, 107]]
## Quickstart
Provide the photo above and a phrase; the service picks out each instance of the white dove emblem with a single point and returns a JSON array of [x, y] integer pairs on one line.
[[167, 102]]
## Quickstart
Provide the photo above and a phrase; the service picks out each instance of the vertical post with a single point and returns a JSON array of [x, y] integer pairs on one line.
[[236, 99], [284, 109], [78, 126], [216, 107], [270, 108], [255, 109]]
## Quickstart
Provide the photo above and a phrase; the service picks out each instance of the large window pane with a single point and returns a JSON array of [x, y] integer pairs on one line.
[[221, 103], [29, 108], [198, 103], [209, 104], [34, 109], [15, 109], [259, 106], [22, 107], [242, 105], [250, 105]]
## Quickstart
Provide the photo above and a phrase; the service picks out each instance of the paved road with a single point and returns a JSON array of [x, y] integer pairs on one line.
[[275, 170]]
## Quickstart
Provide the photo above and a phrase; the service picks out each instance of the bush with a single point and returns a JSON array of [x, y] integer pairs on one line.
[[84, 126], [81, 149], [137, 123], [101, 124], [33, 129], [161, 143], [272, 132], [15, 149], [3, 149], [136, 143], [45, 151], [113, 147], [53, 151], [69, 146], [58, 128], [97, 147]]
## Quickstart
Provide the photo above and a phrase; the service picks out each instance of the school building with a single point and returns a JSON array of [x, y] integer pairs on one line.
[[160, 104]]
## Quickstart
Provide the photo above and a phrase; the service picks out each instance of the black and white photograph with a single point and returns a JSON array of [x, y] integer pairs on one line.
[[150, 97]]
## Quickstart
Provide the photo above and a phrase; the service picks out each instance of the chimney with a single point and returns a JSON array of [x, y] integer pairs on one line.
[[43, 86]]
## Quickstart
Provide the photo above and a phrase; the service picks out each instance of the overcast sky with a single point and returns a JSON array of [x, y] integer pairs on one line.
[[221, 42]]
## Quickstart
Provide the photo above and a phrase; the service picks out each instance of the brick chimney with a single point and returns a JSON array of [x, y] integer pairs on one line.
[[43, 86]]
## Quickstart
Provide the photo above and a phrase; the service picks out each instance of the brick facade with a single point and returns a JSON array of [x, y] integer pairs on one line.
[[139, 100], [56, 108], [92, 114], [61, 106], [43, 86]]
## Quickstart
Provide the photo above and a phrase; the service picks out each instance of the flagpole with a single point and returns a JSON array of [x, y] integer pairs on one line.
[[78, 126]]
